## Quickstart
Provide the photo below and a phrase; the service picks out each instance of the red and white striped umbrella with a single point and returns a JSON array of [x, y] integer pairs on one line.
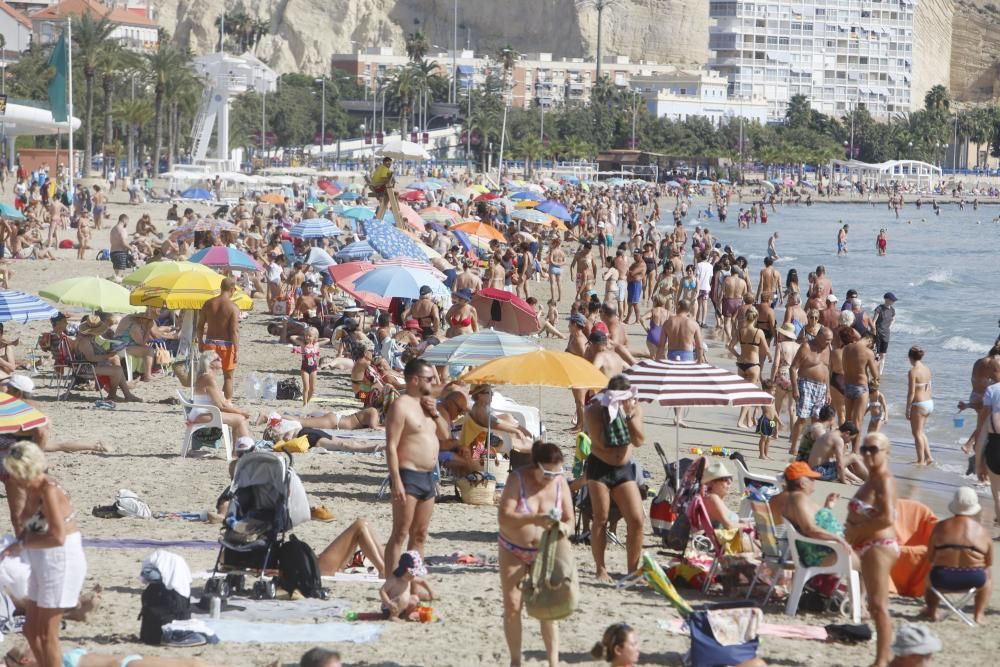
[[682, 384]]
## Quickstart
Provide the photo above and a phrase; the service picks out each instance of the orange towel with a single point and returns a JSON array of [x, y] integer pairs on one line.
[[914, 523]]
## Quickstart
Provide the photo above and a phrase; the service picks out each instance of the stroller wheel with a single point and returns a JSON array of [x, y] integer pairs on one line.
[[259, 592], [237, 583], [224, 588], [271, 589], [838, 603], [702, 543], [212, 586]]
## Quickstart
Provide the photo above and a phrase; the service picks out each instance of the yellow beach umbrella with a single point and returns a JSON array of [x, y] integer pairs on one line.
[[154, 269], [188, 290], [545, 368], [91, 293]]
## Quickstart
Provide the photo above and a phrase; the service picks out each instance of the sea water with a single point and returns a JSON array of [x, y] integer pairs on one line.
[[945, 272]]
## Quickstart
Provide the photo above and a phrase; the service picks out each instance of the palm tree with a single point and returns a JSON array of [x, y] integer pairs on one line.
[[798, 112], [185, 90], [30, 75], [160, 68], [135, 114], [599, 6], [260, 28], [530, 148], [507, 57], [937, 99], [112, 61], [417, 46], [90, 38]]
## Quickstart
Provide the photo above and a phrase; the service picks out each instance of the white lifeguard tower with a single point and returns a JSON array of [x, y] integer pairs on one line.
[[226, 76]]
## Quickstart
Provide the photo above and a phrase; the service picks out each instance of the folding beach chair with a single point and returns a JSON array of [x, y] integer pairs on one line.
[[954, 605], [773, 546]]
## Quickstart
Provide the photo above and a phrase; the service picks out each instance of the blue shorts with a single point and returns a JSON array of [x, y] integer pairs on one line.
[[680, 355], [634, 291], [609, 240], [326, 278]]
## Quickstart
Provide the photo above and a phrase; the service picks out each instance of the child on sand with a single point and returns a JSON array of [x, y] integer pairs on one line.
[[767, 424], [309, 349], [548, 322], [399, 594], [877, 408]]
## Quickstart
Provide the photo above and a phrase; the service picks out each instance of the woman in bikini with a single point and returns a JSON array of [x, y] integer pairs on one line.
[[919, 404], [869, 530], [534, 497], [753, 347], [657, 317], [461, 317], [784, 352]]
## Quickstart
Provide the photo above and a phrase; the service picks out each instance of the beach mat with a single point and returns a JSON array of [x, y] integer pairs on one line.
[[285, 611], [361, 434], [245, 632], [142, 543], [676, 626]]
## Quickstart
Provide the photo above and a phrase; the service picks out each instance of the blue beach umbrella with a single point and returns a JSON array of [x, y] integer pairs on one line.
[[524, 194], [197, 193], [359, 213], [359, 250], [20, 307], [389, 242], [319, 259], [724, 181], [223, 257], [555, 209], [8, 211], [398, 281], [478, 348], [348, 196], [315, 228], [530, 215]]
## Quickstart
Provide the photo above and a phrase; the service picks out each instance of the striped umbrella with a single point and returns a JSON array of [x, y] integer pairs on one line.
[[20, 307], [16, 415], [399, 281], [440, 215], [359, 250], [187, 231], [478, 348], [224, 257], [315, 228], [413, 264], [344, 276], [682, 384]]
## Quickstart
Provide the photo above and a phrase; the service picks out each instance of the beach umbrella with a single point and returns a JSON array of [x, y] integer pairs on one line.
[[705, 181], [345, 275], [486, 196], [616, 180], [413, 195], [478, 348], [21, 307], [410, 217], [348, 196], [436, 227], [211, 225], [328, 187], [400, 149], [413, 264], [398, 281], [224, 257], [544, 368], [91, 293], [724, 181], [481, 229], [390, 242], [531, 216], [16, 415], [187, 290], [319, 259], [682, 384], [315, 228], [505, 311], [349, 270], [355, 251], [197, 193], [555, 209], [426, 185], [153, 269], [673, 184], [271, 198], [439, 214], [8, 211], [359, 213]]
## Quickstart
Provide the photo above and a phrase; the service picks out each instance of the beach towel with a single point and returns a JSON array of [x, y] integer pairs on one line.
[[677, 626], [282, 611], [168, 568], [361, 434], [245, 632], [914, 524]]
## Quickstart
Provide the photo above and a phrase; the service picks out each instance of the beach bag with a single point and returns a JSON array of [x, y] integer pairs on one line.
[[616, 430], [661, 511], [129, 505], [160, 606], [723, 636], [552, 587], [294, 445], [288, 390], [299, 569]]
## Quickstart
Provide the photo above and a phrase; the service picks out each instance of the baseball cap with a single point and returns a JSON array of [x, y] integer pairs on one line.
[[412, 563], [890, 296], [425, 289], [465, 294], [800, 469], [578, 318], [598, 337], [602, 327], [831, 298], [411, 324], [22, 383]]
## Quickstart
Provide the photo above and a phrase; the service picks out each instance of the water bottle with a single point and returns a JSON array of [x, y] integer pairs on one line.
[[215, 605], [253, 387], [270, 388]]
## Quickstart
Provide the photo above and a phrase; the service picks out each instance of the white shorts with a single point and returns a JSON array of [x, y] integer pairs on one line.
[[622, 290], [57, 574]]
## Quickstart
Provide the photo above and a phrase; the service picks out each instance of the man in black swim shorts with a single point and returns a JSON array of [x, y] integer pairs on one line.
[[413, 431]]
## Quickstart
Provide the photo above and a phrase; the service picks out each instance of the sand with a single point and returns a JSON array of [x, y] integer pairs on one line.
[[147, 439]]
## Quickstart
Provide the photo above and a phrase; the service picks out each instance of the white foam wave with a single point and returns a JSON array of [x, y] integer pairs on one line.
[[914, 329], [784, 258], [938, 276], [963, 344]]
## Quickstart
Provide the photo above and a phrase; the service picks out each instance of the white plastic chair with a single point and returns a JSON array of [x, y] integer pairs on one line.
[[841, 568], [194, 427], [743, 476]]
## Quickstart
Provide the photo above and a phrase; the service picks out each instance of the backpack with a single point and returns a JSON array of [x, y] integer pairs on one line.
[[552, 587], [129, 505], [161, 606], [288, 390], [299, 569]]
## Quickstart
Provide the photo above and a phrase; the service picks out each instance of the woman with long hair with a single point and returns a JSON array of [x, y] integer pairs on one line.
[[919, 404]]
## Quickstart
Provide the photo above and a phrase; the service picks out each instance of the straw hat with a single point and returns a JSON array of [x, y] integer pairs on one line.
[[787, 330], [91, 325], [965, 502], [715, 470]]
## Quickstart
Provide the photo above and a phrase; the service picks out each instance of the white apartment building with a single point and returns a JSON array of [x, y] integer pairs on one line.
[[838, 53], [684, 94]]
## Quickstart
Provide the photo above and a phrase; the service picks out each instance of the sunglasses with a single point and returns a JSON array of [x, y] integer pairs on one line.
[[550, 474], [870, 450], [427, 377]]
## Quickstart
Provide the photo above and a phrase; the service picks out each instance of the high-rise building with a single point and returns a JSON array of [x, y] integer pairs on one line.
[[840, 54]]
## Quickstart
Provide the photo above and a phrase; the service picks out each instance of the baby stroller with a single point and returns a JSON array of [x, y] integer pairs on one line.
[[267, 499]]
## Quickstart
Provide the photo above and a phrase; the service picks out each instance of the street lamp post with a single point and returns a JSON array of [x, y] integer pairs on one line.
[[322, 121], [635, 112], [454, 57]]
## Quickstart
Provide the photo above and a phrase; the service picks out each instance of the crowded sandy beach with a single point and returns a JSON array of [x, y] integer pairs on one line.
[[245, 331]]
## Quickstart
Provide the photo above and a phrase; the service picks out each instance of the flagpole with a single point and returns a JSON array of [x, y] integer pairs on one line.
[[69, 99]]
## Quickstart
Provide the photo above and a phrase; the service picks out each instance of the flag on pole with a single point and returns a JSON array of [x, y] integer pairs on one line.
[[57, 86]]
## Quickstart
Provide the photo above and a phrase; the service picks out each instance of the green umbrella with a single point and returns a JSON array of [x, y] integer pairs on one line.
[[153, 269], [91, 293]]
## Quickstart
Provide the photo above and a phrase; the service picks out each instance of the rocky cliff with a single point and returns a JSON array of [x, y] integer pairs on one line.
[[975, 49], [304, 33]]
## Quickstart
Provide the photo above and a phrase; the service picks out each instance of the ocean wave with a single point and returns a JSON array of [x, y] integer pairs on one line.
[[914, 329], [963, 344], [938, 276]]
